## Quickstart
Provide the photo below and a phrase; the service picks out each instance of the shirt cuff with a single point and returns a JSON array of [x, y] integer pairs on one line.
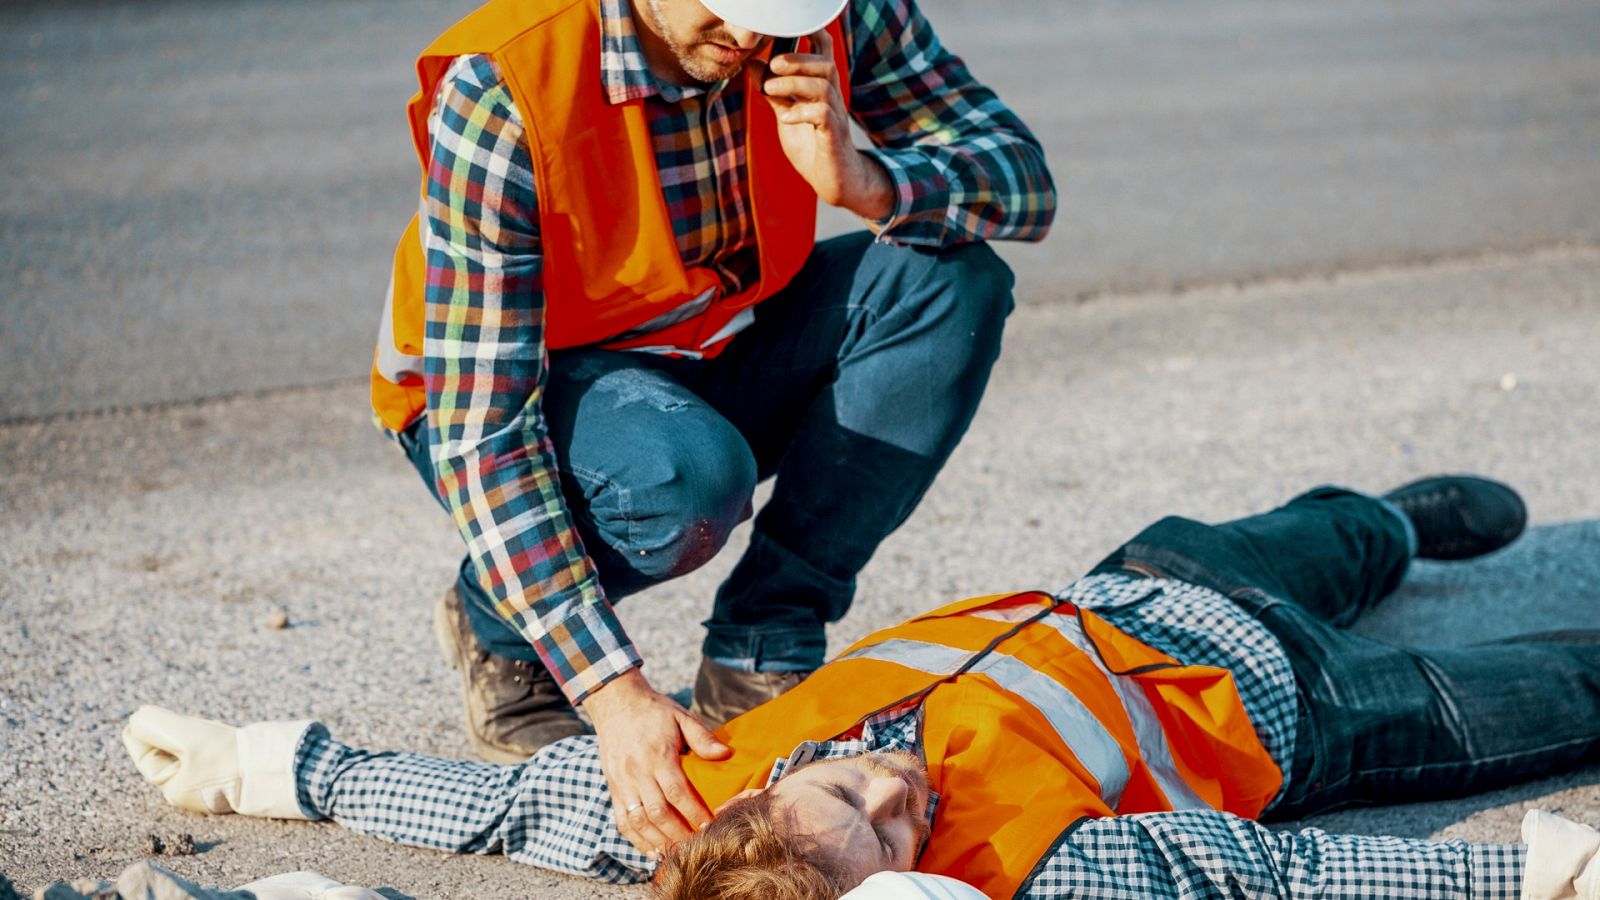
[[1497, 870], [315, 762], [585, 650], [921, 198]]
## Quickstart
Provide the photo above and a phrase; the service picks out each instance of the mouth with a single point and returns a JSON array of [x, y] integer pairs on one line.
[[725, 53]]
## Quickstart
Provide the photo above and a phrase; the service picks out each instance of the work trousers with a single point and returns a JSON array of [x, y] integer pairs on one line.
[[1379, 723], [851, 387]]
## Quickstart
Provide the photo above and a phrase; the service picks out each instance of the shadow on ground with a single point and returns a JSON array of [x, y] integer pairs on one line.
[[1550, 578]]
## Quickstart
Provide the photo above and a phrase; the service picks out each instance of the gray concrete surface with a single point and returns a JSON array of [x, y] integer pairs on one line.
[[201, 198], [140, 553], [1376, 212]]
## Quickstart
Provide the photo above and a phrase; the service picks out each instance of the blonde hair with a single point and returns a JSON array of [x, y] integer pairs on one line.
[[744, 855]]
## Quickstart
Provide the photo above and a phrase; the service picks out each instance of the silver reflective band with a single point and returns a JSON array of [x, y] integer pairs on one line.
[[683, 312], [392, 364], [1147, 729], [1074, 723], [935, 659]]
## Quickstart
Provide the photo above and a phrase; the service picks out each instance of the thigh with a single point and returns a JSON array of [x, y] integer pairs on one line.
[[770, 373], [902, 337], [1331, 551]]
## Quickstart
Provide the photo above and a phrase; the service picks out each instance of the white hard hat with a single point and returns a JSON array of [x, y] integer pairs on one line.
[[913, 886], [778, 18]]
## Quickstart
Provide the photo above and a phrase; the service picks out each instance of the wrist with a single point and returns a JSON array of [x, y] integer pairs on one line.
[[618, 690], [874, 197]]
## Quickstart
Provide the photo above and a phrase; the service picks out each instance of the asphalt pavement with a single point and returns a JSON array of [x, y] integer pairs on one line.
[[202, 198], [1299, 243]]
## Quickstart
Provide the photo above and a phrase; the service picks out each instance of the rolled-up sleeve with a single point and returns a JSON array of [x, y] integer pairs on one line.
[[965, 167]]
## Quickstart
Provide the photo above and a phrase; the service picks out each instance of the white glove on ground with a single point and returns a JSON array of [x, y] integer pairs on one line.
[[306, 886], [913, 886], [1563, 858], [206, 766], [147, 881]]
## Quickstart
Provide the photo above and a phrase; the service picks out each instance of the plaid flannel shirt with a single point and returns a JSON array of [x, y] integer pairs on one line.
[[554, 811], [964, 168]]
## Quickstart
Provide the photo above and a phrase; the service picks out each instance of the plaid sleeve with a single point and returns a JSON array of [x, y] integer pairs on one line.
[[484, 369], [964, 166], [553, 811], [1201, 854]]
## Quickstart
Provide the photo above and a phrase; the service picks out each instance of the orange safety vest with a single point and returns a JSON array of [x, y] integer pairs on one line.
[[610, 258], [1035, 715]]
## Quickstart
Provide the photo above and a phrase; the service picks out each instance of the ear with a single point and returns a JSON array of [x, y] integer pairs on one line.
[[745, 794]]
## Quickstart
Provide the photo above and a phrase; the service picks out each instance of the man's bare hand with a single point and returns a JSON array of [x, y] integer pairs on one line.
[[814, 129], [641, 736]]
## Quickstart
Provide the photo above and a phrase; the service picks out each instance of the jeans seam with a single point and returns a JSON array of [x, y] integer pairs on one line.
[[624, 497]]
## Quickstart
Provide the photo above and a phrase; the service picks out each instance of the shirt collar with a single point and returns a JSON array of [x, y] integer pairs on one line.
[[623, 69]]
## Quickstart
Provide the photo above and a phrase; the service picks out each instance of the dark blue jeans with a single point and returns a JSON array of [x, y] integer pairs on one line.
[[852, 387], [1380, 723]]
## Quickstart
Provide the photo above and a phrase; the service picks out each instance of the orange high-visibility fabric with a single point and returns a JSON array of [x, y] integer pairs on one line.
[[1009, 782], [610, 258]]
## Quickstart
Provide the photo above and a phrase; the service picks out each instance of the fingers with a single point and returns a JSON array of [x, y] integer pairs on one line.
[[637, 820], [641, 737], [700, 739], [150, 737], [807, 64], [685, 802], [822, 42], [155, 764], [156, 726], [799, 99], [660, 808], [798, 89], [816, 115]]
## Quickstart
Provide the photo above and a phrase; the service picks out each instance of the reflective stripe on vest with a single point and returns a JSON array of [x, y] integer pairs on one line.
[[1147, 728], [391, 362], [1048, 735], [1073, 722], [612, 273]]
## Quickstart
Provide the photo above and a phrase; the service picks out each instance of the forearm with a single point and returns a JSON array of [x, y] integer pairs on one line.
[[553, 811], [963, 165], [484, 361], [994, 189], [504, 494], [1200, 855]]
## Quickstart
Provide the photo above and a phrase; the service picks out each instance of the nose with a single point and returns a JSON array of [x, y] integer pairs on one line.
[[746, 40], [887, 797]]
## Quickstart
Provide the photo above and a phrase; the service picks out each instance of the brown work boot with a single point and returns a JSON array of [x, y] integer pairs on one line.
[[513, 707], [723, 692]]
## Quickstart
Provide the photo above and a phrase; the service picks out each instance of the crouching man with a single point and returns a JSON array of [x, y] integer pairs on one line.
[[1118, 735]]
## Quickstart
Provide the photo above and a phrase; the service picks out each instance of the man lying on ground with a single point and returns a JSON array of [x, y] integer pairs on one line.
[[1114, 739]]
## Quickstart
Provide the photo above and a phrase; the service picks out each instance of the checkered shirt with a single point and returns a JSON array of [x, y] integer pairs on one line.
[[554, 811], [1201, 627], [964, 168]]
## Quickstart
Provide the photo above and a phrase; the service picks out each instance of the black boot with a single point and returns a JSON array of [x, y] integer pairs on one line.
[[1460, 516]]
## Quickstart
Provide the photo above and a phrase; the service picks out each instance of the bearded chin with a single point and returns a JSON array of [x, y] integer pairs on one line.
[[695, 67], [701, 70]]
